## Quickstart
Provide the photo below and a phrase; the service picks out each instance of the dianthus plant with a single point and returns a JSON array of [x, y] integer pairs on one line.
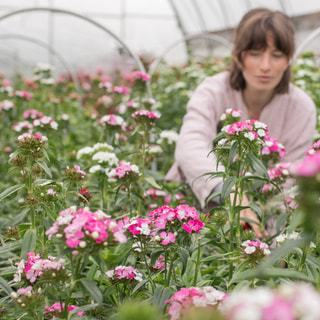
[[238, 147]]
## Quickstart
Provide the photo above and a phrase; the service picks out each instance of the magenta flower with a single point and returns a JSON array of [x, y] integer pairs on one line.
[[32, 114], [193, 225], [310, 166], [56, 309], [167, 238]]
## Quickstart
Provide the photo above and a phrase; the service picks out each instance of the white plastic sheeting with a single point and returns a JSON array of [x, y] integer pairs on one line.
[[147, 27]]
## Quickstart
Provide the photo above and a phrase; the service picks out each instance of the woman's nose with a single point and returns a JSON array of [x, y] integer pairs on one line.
[[265, 62]]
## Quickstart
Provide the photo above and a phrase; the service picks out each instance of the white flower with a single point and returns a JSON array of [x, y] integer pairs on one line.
[[108, 157], [110, 273], [96, 168], [145, 230], [170, 135], [249, 250], [261, 133], [83, 151], [281, 238], [102, 147], [249, 135]]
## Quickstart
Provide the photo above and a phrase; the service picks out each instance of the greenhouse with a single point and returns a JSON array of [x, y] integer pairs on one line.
[[160, 160]]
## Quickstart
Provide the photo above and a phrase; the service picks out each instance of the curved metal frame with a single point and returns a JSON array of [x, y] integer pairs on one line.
[[306, 41], [50, 49], [213, 37], [98, 25]]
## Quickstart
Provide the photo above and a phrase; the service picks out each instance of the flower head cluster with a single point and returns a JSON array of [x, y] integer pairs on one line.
[[6, 105], [114, 121], [230, 116], [187, 299], [55, 311], [165, 225], [23, 94], [74, 174], [273, 150], [125, 173], [29, 141], [22, 125], [283, 237], [145, 117], [169, 136], [159, 264], [86, 231], [296, 301], [137, 75], [249, 129], [84, 195], [121, 90], [314, 148], [124, 274], [254, 250], [27, 297], [279, 175], [310, 166], [45, 122], [51, 269], [32, 114]]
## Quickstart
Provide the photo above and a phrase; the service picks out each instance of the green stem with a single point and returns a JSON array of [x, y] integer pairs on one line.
[[197, 268]]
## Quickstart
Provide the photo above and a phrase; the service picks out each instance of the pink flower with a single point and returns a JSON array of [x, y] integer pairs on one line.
[[193, 225], [310, 166], [167, 238], [278, 309]]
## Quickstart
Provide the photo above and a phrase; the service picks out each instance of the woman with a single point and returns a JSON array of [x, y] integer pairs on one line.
[[258, 84]]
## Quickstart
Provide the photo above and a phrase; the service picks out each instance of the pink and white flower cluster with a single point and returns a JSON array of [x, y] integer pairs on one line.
[[295, 301], [23, 94], [272, 149], [256, 248], [35, 267], [124, 274], [231, 116], [249, 129], [187, 299], [86, 231], [126, 173], [45, 122], [56, 309], [32, 114], [310, 166], [279, 175], [75, 173], [165, 223], [146, 114], [31, 142], [6, 105], [314, 148], [113, 120]]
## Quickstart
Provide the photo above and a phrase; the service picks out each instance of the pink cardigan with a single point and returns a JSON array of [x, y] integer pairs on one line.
[[291, 119]]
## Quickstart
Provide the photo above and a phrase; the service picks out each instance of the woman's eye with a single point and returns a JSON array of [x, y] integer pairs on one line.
[[277, 55]]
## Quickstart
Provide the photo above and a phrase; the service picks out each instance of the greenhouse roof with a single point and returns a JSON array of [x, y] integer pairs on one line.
[[81, 33]]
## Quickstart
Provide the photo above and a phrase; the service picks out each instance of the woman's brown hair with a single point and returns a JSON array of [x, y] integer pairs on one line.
[[251, 34]]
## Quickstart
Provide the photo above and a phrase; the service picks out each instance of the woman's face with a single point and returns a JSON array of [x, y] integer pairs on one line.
[[263, 69]]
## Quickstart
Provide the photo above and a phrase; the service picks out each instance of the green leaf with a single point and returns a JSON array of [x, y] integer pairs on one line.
[[91, 287], [184, 256], [28, 243], [227, 187], [160, 295], [10, 246], [44, 167], [217, 256], [5, 286], [86, 307], [272, 273], [139, 285], [233, 153], [6, 193], [257, 165], [152, 181], [43, 182]]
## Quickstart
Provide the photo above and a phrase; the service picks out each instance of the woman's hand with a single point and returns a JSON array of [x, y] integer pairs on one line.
[[250, 215]]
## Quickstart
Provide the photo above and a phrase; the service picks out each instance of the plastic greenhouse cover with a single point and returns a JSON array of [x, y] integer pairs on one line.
[[147, 28]]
